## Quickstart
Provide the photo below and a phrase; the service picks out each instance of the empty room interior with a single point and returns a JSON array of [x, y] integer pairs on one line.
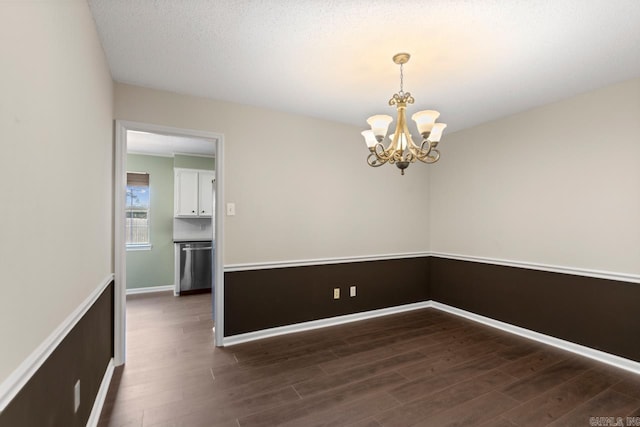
[[359, 213]]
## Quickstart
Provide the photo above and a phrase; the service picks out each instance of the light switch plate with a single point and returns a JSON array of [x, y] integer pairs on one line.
[[231, 209]]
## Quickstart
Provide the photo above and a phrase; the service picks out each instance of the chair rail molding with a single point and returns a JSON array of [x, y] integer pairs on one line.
[[320, 261], [598, 274]]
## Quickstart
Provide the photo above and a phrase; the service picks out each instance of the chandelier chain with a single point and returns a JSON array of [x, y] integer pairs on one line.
[[401, 79]]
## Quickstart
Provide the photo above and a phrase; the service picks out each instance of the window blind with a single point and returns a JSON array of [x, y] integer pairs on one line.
[[137, 179]]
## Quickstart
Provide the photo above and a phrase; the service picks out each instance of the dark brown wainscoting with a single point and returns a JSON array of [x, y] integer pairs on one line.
[[597, 313], [262, 299], [47, 398]]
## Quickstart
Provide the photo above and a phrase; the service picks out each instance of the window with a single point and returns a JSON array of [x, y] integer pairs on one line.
[[137, 211]]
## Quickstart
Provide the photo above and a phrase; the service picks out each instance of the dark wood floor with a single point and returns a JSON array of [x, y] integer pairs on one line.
[[421, 368]]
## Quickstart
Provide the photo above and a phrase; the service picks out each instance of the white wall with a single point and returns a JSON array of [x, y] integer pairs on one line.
[[557, 185], [56, 170], [302, 187]]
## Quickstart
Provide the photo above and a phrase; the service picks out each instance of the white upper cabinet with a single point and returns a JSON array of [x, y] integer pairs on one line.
[[186, 192], [193, 193], [205, 193]]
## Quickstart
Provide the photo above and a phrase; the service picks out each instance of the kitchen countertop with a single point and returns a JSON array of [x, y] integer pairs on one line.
[[191, 240]]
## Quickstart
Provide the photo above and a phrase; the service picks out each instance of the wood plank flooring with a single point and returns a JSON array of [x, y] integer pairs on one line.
[[421, 368]]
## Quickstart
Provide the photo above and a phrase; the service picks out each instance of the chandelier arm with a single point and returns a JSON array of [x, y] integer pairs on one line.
[[401, 128], [394, 145], [429, 144], [412, 150], [410, 144], [397, 157], [375, 161], [410, 157], [425, 149], [432, 158], [381, 153], [391, 154]]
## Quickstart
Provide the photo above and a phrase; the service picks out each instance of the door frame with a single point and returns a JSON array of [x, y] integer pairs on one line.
[[120, 183]]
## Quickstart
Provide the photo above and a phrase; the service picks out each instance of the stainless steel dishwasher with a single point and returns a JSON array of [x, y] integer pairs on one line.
[[195, 267]]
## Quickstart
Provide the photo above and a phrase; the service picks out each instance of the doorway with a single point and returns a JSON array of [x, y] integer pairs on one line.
[[124, 130]]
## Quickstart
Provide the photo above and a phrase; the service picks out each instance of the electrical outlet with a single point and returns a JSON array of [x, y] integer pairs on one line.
[[336, 293], [76, 396], [352, 291]]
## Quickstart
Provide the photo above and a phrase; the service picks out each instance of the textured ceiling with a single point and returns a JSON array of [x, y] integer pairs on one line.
[[473, 60]]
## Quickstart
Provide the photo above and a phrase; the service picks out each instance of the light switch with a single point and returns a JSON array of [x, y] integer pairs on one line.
[[231, 209]]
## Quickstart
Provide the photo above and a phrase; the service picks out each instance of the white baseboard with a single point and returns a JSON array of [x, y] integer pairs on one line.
[[19, 377], [601, 356], [149, 290], [322, 323], [98, 403]]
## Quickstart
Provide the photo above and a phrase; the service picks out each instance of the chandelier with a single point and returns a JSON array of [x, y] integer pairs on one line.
[[402, 150]]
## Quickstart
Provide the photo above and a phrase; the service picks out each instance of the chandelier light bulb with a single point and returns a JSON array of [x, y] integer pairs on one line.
[[369, 138], [436, 132], [425, 120], [380, 125]]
